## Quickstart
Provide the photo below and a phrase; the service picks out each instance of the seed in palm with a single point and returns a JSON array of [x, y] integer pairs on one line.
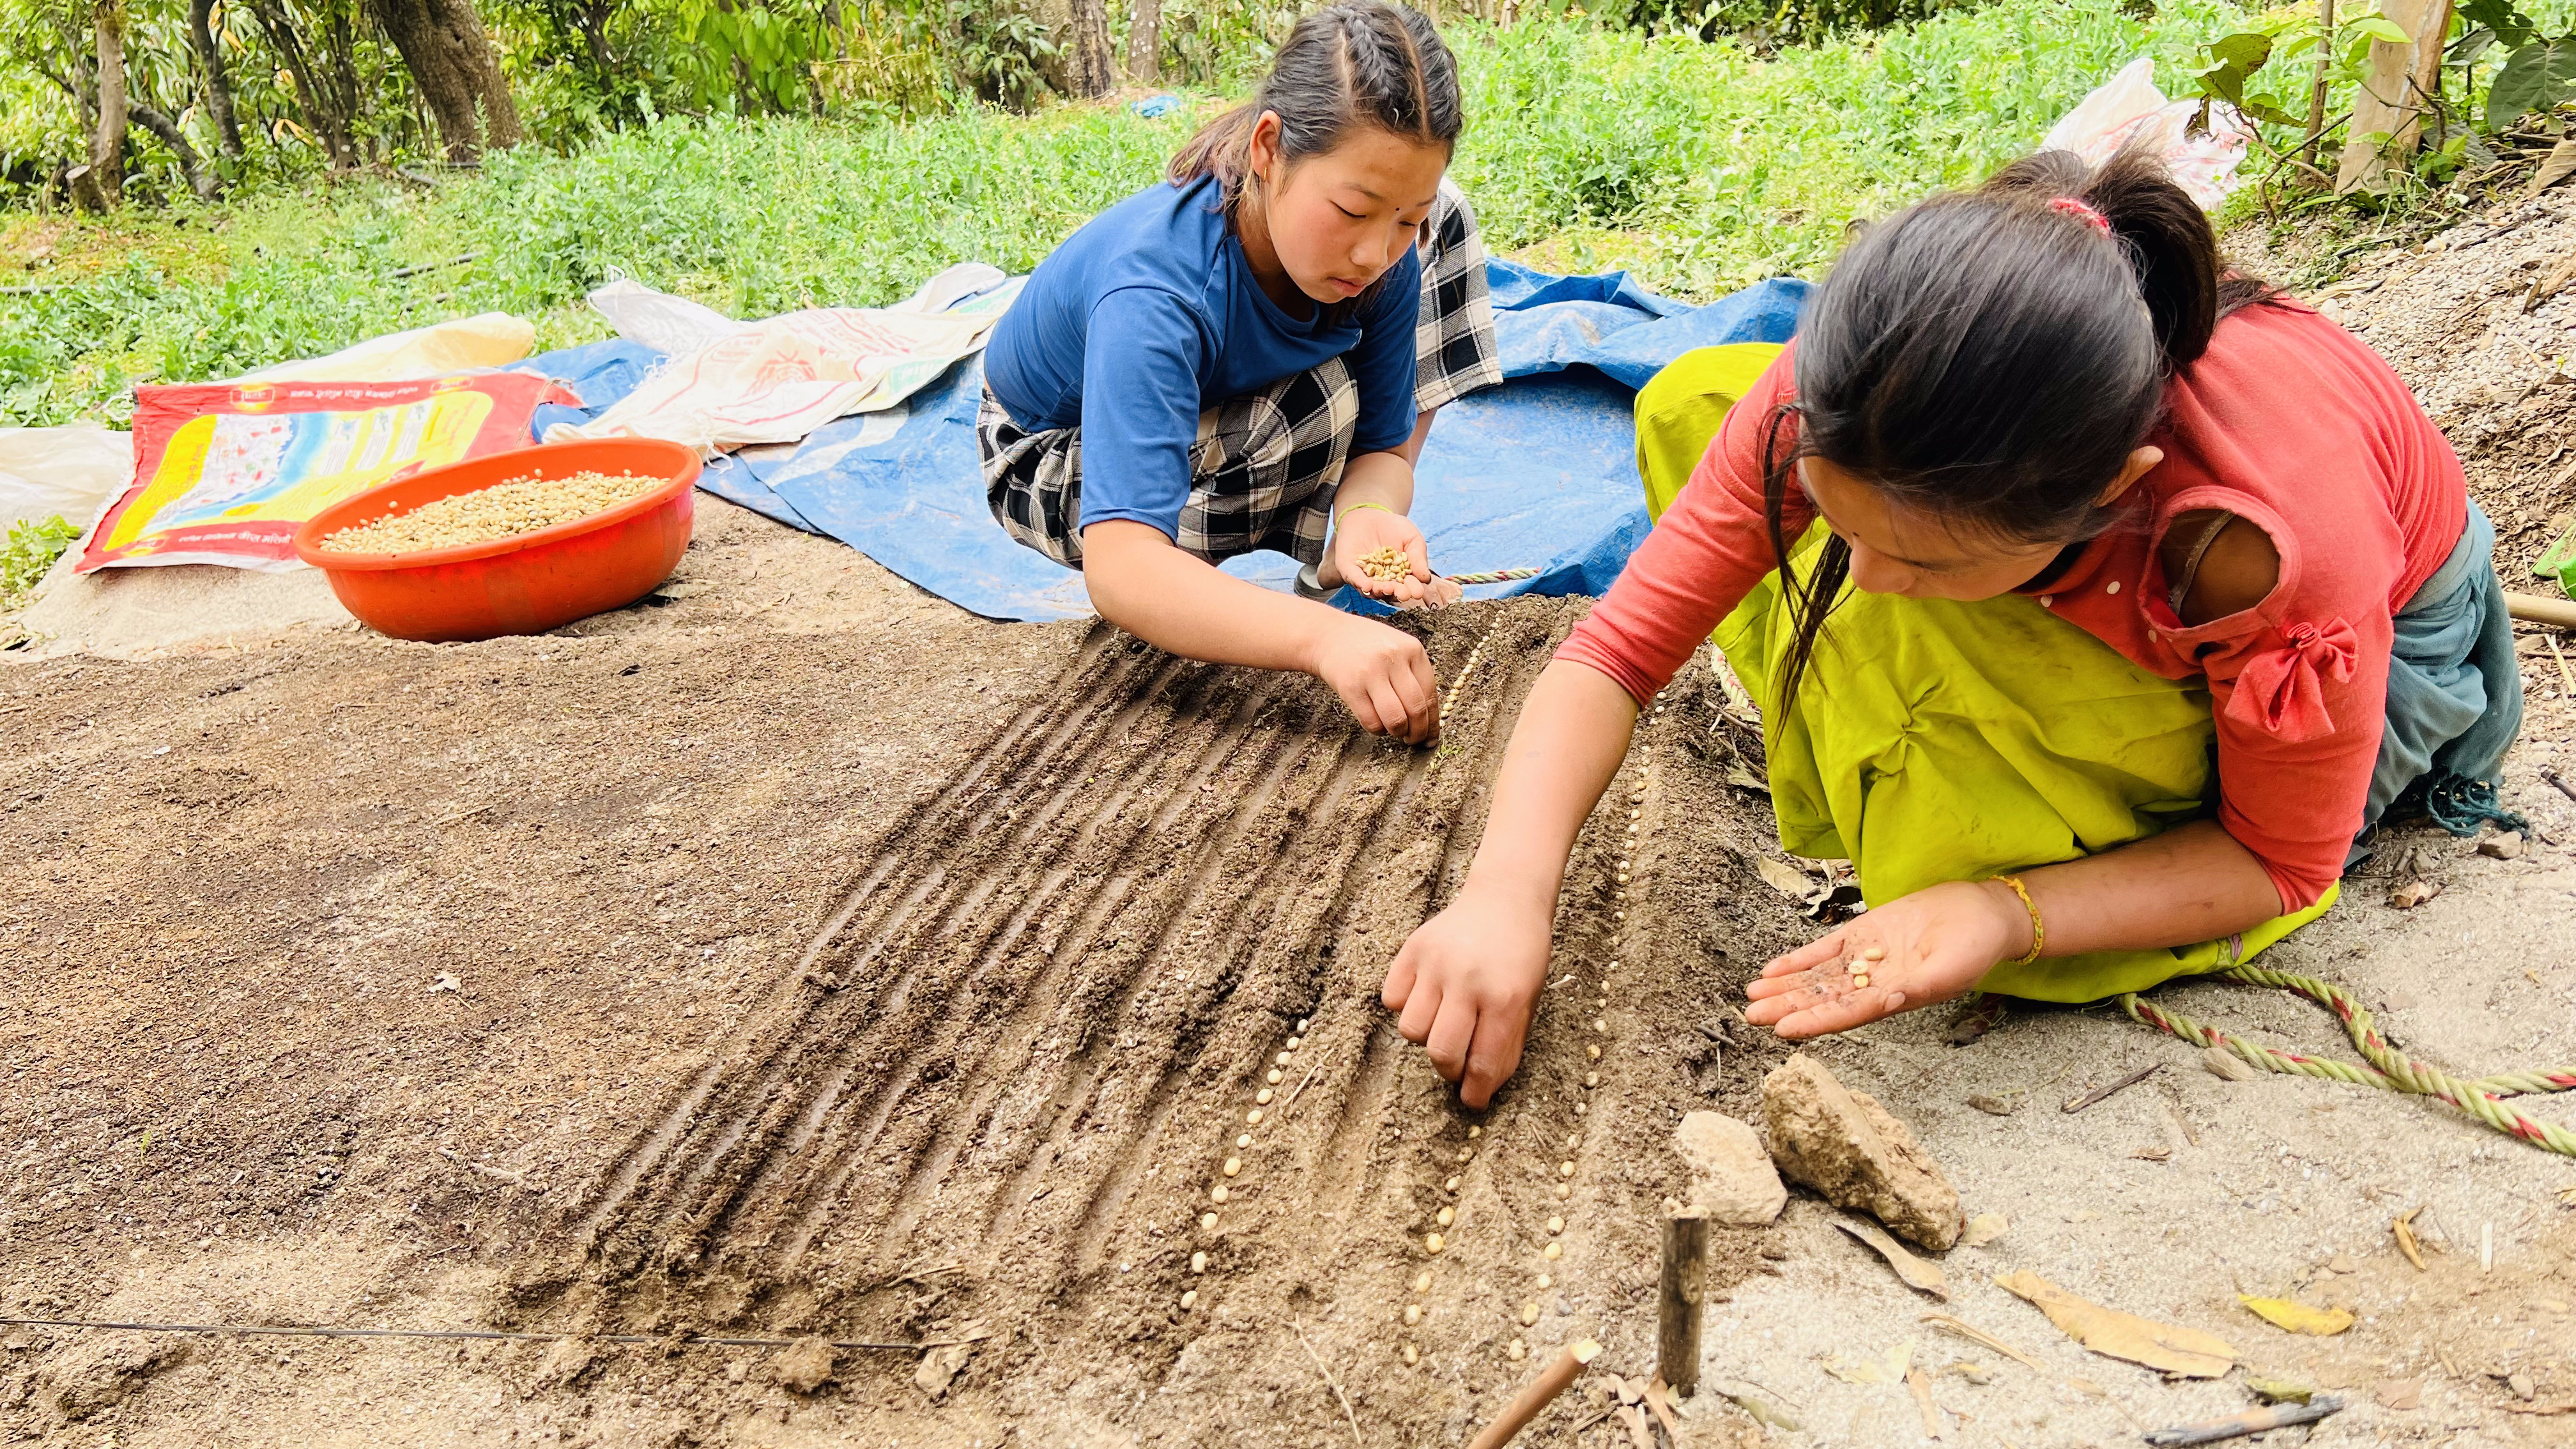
[[1385, 563]]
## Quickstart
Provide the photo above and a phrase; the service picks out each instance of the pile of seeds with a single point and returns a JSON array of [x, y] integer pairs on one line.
[[522, 505], [1386, 563]]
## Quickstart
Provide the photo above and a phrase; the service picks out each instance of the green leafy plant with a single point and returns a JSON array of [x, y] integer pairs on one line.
[[2539, 72], [28, 550]]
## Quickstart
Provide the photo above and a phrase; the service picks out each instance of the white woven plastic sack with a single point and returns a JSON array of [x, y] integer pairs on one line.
[[2130, 107], [71, 472]]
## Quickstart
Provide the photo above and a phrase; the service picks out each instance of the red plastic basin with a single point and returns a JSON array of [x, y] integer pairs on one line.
[[527, 583]]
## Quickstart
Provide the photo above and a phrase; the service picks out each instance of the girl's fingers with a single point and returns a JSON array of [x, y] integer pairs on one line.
[[1763, 988], [1451, 1033], [1841, 1014], [1815, 953], [1492, 1060], [1421, 1008], [1399, 979], [1420, 552]]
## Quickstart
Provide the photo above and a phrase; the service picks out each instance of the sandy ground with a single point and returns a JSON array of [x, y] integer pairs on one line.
[[793, 955]]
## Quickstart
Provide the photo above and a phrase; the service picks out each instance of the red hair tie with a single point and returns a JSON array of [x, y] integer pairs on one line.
[[2082, 212]]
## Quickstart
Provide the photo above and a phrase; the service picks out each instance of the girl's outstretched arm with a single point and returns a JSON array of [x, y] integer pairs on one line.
[[2192, 883], [1468, 979], [1145, 585]]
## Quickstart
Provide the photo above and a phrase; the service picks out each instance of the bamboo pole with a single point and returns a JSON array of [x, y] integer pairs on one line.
[[1542, 1391]]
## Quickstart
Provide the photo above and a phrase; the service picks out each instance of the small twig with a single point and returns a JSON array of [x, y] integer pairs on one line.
[[399, 273], [2252, 1421], [2078, 1104], [2566, 676], [1334, 1383], [2550, 774], [1974, 1334]]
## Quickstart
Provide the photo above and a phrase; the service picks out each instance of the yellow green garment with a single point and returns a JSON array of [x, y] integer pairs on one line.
[[1934, 740]]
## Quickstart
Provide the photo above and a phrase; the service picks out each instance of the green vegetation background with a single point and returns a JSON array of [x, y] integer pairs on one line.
[[1699, 166]]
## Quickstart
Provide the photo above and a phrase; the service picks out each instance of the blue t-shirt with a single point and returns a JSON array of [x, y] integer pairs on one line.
[[1150, 314]]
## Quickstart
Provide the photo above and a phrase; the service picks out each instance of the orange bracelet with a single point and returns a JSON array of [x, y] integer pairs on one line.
[[2038, 927]]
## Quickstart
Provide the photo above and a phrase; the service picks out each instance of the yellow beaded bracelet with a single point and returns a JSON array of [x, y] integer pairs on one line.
[[2038, 927], [1344, 515]]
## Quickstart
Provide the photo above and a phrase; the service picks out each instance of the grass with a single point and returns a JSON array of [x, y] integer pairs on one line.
[[1700, 167]]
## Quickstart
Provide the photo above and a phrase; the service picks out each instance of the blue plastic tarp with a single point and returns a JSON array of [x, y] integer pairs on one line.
[[1538, 472]]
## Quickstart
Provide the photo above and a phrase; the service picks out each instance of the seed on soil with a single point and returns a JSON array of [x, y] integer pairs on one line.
[[1565, 1189], [1233, 1165], [1412, 1313], [1453, 1183], [1573, 1140], [1217, 1193], [504, 510], [1207, 1221], [1263, 1096], [1594, 1050], [1273, 1078], [1301, 1026], [1475, 1132], [1578, 1109], [1198, 1262], [1448, 1215], [1517, 1351], [1292, 1043], [1252, 1118], [1433, 1242], [1556, 1225], [1283, 1059], [1565, 1169], [1552, 1251], [1244, 1140], [1546, 1281], [1190, 1298], [1623, 877], [1422, 1281], [1600, 1024], [1592, 1079], [1466, 1154], [1411, 1356], [1529, 1314]]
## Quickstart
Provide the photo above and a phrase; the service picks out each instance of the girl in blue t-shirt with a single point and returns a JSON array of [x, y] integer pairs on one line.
[[1247, 356]]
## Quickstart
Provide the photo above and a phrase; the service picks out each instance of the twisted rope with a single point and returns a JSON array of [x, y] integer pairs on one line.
[[1494, 576], [2385, 1067]]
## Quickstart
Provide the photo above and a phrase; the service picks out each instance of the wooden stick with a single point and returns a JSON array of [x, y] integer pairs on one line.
[[2252, 1421], [1685, 1290], [2078, 1104], [2551, 775], [1542, 1391], [2533, 609]]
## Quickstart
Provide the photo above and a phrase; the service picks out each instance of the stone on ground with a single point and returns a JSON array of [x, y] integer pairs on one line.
[[804, 1366], [1847, 1147], [1731, 1175]]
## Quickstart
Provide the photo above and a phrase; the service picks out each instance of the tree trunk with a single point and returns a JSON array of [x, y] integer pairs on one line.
[[1094, 72], [177, 140], [326, 119], [1145, 43], [2391, 103], [452, 60], [102, 181], [219, 88], [2324, 79]]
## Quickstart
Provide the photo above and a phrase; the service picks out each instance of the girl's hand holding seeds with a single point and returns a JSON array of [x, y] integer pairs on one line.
[[1381, 553], [1466, 984], [1931, 946]]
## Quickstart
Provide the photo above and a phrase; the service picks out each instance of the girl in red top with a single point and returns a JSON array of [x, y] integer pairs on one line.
[[2022, 428]]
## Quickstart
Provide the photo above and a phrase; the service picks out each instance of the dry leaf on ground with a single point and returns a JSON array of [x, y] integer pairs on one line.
[[1888, 1370], [2298, 1317], [1783, 877], [1919, 1275], [1974, 1334], [1984, 1228], [2557, 166], [2113, 1334]]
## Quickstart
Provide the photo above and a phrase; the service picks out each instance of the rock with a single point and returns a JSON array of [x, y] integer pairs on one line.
[[2507, 846], [1991, 1105], [567, 1364], [803, 1366], [1847, 1147], [939, 1366], [97, 1374], [1731, 1176], [1984, 1228], [2224, 1063]]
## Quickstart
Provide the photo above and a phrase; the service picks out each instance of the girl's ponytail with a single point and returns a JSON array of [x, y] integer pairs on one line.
[[2170, 244], [1359, 62]]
